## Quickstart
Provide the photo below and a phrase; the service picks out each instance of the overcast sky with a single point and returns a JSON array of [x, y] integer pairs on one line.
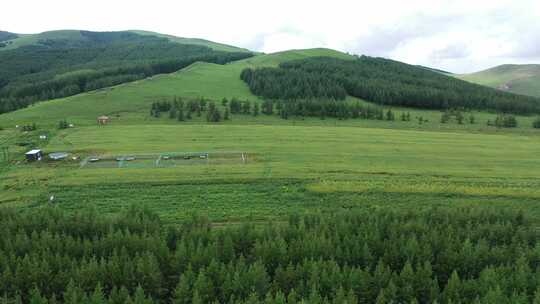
[[455, 35]]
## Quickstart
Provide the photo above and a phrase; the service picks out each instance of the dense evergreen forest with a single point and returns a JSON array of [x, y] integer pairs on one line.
[[57, 68], [472, 255], [383, 81]]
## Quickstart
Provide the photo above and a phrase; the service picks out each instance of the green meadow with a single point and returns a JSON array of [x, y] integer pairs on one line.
[[295, 165], [289, 169]]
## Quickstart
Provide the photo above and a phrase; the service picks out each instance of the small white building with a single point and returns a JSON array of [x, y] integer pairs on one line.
[[34, 155]]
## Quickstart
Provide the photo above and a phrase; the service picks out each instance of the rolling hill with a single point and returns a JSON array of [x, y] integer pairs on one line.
[[77, 36], [64, 63], [195, 41], [200, 79], [514, 78], [382, 81]]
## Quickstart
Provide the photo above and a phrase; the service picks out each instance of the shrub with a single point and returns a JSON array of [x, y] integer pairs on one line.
[[536, 123]]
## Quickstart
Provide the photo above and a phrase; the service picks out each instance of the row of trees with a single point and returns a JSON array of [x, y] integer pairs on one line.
[[59, 68], [382, 81], [180, 110], [471, 255], [183, 110], [504, 121], [457, 116]]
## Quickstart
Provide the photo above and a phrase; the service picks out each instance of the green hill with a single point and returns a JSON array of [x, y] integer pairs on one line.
[[382, 81], [4, 36], [75, 36], [195, 41], [200, 79], [514, 78], [64, 63]]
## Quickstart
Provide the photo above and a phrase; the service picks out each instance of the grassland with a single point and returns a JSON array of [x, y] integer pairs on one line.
[[291, 169], [295, 165], [519, 79]]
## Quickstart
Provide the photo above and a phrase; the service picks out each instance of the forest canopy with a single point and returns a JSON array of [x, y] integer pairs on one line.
[[443, 255], [382, 81], [55, 68]]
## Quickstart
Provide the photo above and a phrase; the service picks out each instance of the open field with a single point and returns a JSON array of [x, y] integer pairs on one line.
[[294, 169]]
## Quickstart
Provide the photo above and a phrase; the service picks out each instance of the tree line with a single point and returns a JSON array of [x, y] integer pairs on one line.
[[382, 81], [183, 110], [468, 255], [60, 68]]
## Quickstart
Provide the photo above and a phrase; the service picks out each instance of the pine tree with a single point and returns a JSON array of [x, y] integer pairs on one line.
[[445, 117], [180, 116], [72, 294], [255, 109], [390, 115], [36, 298], [536, 123], [183, 291], [172, 113], [97, 296], [459, 117], [453, 289]]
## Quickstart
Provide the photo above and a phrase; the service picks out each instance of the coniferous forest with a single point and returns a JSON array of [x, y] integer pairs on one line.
[[382, 81], [57, 68], [443, 255]]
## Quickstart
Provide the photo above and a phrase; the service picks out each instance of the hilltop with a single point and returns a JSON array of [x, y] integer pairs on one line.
[[520, 79], [195, 41], [74, 37]]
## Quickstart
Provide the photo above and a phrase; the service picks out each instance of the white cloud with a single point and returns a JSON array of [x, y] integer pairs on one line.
[[457, 35]]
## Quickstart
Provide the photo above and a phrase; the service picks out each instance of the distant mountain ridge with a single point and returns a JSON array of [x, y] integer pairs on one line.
[[19, 40], [195, 41], [515, 78]]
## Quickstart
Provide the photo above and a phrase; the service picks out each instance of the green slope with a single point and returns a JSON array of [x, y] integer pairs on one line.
[[198, 80], [34, 39], [65, 63], [519, 79], [196, 41]]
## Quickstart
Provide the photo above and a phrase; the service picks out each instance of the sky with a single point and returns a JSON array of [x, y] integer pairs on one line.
[[460, 36]]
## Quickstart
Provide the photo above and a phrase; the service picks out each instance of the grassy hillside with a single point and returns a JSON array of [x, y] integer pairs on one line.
[[519, 79], [198, 80], [196, 41], [65, 63]]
